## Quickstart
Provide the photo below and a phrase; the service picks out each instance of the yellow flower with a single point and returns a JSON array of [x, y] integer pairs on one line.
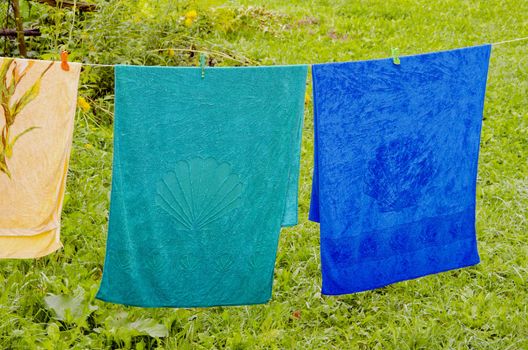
[[88, 146], [83, 104], [170, 52], [307, 98], [191, 14], [188, 22]]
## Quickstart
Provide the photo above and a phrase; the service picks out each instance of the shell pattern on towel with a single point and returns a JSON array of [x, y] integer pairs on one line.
[[198, 192], [399, 173]]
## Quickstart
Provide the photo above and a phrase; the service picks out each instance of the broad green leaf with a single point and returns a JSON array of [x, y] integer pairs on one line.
[[148, 326], [69, 308], [64, 304]]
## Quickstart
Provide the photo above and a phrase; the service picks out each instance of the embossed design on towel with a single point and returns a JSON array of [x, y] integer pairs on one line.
[[11, 108], [399, 172], [199, 192]]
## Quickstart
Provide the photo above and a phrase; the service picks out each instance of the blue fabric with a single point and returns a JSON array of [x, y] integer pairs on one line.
[[205, 174], [396, 152]]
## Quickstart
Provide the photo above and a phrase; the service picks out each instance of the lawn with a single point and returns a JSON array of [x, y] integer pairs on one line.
[[49, 303]]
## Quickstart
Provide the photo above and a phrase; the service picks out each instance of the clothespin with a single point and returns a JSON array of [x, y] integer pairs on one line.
[[395, 55], [203, 58], [64, 61]]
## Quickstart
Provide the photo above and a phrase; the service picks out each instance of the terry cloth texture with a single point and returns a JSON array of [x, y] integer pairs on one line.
[[396, 152], [205, 174], [37, 108]]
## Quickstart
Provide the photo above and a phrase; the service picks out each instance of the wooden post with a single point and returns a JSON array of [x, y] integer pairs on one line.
[[20, 28]]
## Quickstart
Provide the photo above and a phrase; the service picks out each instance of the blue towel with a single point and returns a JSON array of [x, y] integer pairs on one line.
[[396, 152], [205, 174]]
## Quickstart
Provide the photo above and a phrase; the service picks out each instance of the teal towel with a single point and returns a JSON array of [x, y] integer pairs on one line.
[[205, 174]]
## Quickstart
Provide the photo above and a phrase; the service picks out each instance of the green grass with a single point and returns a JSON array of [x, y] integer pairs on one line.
[[482, 307]]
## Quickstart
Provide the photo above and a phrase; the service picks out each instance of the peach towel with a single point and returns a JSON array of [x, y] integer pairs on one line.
[[37, 109]]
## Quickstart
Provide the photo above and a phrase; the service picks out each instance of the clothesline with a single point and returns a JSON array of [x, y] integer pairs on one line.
[[509, 41], [234, 59], [390, 212]]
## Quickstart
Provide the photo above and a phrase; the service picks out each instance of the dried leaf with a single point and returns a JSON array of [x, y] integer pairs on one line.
[[24, 71], [16, 73], [7, 113], [11, 111], [10, 145], [4, 168], [28, 96], [5, 67]]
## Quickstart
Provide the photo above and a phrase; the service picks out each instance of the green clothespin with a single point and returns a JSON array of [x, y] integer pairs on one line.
[[395, 55], [203, 59]]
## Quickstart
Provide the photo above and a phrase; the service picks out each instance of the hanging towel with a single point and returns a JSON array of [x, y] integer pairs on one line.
[[37, 108], [396, 151], [205, 174]]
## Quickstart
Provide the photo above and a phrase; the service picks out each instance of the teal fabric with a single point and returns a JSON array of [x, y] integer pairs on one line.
[[205, 174]]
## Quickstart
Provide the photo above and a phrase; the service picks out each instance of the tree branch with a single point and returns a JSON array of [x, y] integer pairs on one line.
[[13, 32]]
